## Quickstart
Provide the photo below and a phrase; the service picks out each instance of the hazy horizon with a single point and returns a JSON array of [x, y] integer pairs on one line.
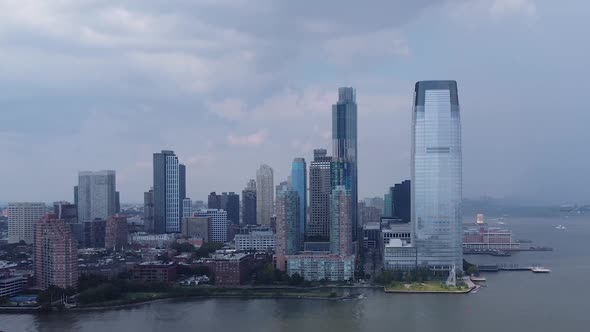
[[230, 85]]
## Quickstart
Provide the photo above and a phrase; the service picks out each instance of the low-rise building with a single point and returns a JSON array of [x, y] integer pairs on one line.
[[155, 271], [152, 240], [256, 240], [398, 255], [229, 269], [321, 266], [10, 286], [395, 230], [484, 238]]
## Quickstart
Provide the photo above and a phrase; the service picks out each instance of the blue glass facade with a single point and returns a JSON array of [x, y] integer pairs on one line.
[[437, 175], [299, 183], [344, 142]]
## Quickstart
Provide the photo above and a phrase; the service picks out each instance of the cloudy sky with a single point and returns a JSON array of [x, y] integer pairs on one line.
[[231, 84]]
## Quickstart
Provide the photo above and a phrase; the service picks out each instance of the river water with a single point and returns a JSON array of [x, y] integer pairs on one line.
[[512, 301]]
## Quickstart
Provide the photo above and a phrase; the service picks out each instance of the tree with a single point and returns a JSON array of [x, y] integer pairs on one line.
[[296, 279], [183, 247]]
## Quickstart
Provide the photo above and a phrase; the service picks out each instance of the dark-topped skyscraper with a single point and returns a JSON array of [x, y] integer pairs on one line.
[[230, 202], [344, 143], [214, 201], [319, 195], [402, 201], [249, 203], [169, 191], [437, 175]]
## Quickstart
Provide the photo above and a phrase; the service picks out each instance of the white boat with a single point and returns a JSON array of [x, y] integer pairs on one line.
[[540, 269], [560, 227]]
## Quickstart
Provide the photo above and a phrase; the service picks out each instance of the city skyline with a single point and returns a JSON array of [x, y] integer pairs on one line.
[[218, 86]]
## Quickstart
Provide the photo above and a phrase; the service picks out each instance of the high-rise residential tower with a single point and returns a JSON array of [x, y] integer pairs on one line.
[[341, 222], [148, 211], [55, 255], [299, 184], [344, 142], [21, 221], [288, 219], [319, 195], [218, 223], [249, 203], [264, 195], [437, 175], [169, 191], [97, 195]]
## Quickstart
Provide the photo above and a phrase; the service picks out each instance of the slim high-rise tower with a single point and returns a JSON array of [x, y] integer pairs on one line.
[[97, 195], [437, 175], [264, 195], [319, 195], [341, 222], [344, 141], [169, 189], [249, 204], [299, 183], [288, 233]]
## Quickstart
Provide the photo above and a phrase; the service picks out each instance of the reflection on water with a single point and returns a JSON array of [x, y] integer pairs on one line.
[[512, 301]]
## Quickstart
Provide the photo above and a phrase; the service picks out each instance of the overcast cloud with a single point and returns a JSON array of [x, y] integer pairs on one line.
[[229, 85]]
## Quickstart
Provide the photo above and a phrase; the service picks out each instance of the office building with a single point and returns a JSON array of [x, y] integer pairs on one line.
[[230, 269], [402, 201], [94, 233], [55, 255], [219, 225], [436, 186], [287, 228], [264, 195], [199, 227], [21, 221], [116, 233], [249, 204], [299, 184], [321, 266], [187, 208], [255, 240], [66, 212], [398, 255], [155, 271], [11, 285], [214, 201], [148, 211], [169, 191], [344, 140], [388, 204], [230, 202], [341, 222], [117, 202], [319, 195], [96, 195]]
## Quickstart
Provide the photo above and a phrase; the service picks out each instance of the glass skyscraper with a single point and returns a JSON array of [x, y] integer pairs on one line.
[[344, 143], [299, 183], [169, 191], [437, 175]]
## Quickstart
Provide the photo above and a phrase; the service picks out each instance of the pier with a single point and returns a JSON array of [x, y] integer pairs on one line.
[[506, 267]]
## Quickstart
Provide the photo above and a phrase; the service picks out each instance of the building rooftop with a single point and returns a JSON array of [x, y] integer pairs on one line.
[[397, 243], [156, 263]]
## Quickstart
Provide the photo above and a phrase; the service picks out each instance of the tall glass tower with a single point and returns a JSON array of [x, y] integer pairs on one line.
[[344, 143], [299, 182], [437, 175], [169, 191]]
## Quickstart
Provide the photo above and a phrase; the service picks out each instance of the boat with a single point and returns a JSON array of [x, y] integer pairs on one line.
[[560, 227], [540, 269], [478, 279]]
